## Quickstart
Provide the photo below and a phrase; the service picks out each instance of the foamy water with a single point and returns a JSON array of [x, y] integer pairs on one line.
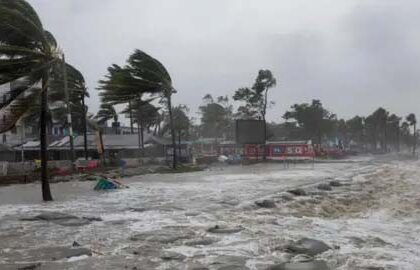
[[372, 222]]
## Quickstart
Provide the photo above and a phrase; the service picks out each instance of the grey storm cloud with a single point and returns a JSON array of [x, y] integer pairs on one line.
[[353, 55]]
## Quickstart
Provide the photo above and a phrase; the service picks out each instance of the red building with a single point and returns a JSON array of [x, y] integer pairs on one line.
[[281, 150]]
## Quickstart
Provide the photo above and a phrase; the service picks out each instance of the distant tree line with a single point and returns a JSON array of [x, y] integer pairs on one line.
[[379, 131]]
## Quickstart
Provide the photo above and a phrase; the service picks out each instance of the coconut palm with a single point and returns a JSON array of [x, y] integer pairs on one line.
[[120, 87], [143, 75], [107, 112], [151, 72], [56, 99], [77, 93], [181, 123], [27, 54], [147, 115], [412, 121], [68, 84]]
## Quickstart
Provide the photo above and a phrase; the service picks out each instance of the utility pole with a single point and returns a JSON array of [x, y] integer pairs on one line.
[[69, 122]]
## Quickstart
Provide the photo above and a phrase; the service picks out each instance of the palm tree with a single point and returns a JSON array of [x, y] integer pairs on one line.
[[107, 112], [143, 75], [181, 123], [147, 116], [27, 54], [151, 72], [120, 87], [74, 94], [57, 106], [412, 121]]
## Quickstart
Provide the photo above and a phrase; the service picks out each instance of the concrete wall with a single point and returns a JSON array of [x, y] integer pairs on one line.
[[27, 167]]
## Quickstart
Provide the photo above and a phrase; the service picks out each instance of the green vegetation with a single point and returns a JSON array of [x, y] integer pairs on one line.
[[314, 119], [216, 117], [29, 59], [255, 99], [143, 75]]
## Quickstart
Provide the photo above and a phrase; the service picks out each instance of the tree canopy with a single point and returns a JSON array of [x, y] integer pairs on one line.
[[216, 117], [315, 120], [255, 99]]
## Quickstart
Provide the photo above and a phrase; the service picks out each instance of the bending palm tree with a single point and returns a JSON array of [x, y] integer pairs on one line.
[[150, 71], [106, 112], [27, 54], [143, 75]]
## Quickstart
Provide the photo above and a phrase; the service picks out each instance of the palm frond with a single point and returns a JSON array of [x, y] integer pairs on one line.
[[11, 51], [16, 28], [106, 112], [13, 112], [149, 69], [23, 7], [16, 88]]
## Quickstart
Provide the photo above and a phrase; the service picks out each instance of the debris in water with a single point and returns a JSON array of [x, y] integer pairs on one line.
[[266, 204], [326, 187], [297, 192], [223, 229]]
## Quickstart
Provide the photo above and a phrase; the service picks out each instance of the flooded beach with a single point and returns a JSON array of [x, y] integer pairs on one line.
[[366, 211]]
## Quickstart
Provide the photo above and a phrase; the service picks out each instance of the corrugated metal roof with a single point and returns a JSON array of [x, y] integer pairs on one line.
[[31, 144], [111, 141]]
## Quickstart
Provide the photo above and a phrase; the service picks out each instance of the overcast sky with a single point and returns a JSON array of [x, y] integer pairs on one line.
[[353, 55]]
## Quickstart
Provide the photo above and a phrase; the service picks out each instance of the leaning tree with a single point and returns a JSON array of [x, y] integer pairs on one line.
[[121, 87], [143, 75], [28, 53], [412, 121], [255, 99]]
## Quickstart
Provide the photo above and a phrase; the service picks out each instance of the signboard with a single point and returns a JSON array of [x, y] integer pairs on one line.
[[250, 131], [281, 151]]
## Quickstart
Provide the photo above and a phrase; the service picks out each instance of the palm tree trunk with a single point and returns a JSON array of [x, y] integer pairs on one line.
[[415, 140], [131, 117], [171, 123], [85, 146], [139, 134], [142, 136], [179, 144], [46, 192]]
